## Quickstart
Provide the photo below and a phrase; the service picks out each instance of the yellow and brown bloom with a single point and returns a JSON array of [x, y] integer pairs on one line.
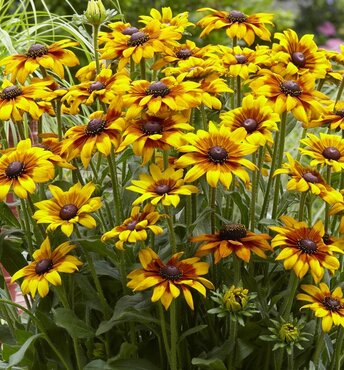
[[303, 248], [168, 279], [237, 24], [325, 150], [333, 117], [296, 94], [161, 186], [53, 57], [256, 117], [103, 132], [23, 167], [68, 208], [303, 178], [327, 305], [45, 268], [218, 153], [336, 200], [135, 228], [233, 238], [152, 132], [169, 93]]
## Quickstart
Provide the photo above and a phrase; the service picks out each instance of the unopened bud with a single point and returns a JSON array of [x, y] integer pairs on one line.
[[95, 12]]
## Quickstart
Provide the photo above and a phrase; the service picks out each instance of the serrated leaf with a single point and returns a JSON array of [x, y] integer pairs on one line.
[[17, 357], [67, 319]]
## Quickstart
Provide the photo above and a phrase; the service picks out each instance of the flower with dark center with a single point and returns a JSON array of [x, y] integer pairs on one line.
[[96, 86], [170, 272], [326, 239], [307, 246], [37, 50], [68, 212], [184, 53], [241, 58], [10, 92], [233, 232], [131, 225], [138, 38], [236, 16], [340, 112], [42, 146], [291, 87], [152, 127], [15, 169], [162, 189], [331, 153], [217, 154], [311, 177], [298, 59], [130, 31], [332, 304], [250, 125], [157, 89], [95, 127], [43, 266]]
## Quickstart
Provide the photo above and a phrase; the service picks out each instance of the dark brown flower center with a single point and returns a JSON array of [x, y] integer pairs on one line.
[[131, 225], [307, 246], [298, 59], [340, 113], [311, 177], [332, 304], [170, 272], [68, 211], [236, 16], [217, 154], [10, 92], [95, 127], [152, 127], [233, 232], [138, 38], [241, 59], [37, 50], [95, 86], [291, 87], [43, 266], [250, 125], [326, 239], [184, 53], [157, 89], [331, 153], [162, 189], [42, 146], [15, 169], [130, 31]]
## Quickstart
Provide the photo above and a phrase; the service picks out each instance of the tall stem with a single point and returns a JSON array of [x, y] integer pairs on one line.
[[164, 332], [335, 362], [172, 237], [27, 226], [115, 187], [95, 46], [253, 194], [289, 299], [318, 349], [174, 336], [212, 202]]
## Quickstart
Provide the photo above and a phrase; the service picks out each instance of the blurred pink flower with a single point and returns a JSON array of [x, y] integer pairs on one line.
[[327, 29], [333, 44]]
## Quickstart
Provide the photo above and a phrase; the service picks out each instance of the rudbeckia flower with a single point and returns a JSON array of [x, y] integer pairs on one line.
[[233, 238], [68, 208], [303, 248], [237, 24], [161, 186], [218, 154], [45, 268], [23, 167], [52, 57], [327, 305], [325, 150], [336, 200], [135, 228], [167, 279], [333, 117]]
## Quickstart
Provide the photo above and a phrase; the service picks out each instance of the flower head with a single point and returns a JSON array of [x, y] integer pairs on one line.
[[167, 279], [45, 268]]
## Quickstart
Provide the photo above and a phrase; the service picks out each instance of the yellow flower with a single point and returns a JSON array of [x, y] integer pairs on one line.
[[233, 238], [336, 200], [218, 154], [68, 208], [134, 228], [237, 24], [23, 167], [256, 117], [161, 186], [52, 57], [303, 248], [326, 150], [327, 305], [333, 117], [167, 279], [45, 268]]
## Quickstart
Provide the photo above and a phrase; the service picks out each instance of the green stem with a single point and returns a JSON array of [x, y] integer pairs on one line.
[[327, 206], [303, 135], [302, 205], [172, 236], [164, 332], [27, 226], [174, 336], [204, 118], [20, 128], [115, 187], [233, 328], [58, 113], [339, 93], [318, 349], [338, 350], [236, 269], [95, 47], [238, 85], [289, 299], [212, 202], [143, 68], [253, 194], [290, 359]]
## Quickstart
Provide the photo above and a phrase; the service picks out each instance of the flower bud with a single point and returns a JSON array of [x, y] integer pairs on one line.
[[235, 299], [95, 12], [289, 332]]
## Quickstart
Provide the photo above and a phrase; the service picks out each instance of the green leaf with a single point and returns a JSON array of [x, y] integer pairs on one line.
[[7, 216], [96, 365], [211, 364], [239, 201], [17, 357], [131, 364], [127, 350], [191, 331], [67, 319], [95, 245]]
